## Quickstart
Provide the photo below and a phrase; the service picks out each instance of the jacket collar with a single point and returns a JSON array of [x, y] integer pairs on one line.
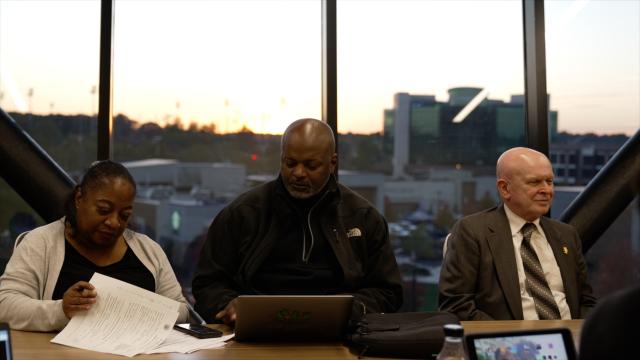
[[503, 254], [516, 222], [331, 188]]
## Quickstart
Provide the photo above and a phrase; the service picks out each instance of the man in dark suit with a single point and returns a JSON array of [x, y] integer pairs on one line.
[[510, 262]]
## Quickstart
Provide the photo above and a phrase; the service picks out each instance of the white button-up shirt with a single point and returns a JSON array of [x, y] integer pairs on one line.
[[548, 262]]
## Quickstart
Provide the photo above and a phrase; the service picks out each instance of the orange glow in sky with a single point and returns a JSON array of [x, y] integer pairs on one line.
[[258, 63]]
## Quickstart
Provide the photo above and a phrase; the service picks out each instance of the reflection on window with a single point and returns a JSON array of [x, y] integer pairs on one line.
[[593, 71], [48, 80], [16, 217], [49, 74], [429, 98], [201, 104]]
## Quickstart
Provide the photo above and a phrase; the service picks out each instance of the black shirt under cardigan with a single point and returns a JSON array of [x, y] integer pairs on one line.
[[78, 268]]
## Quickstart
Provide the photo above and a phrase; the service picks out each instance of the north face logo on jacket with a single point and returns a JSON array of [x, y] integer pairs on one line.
[[354, 232]]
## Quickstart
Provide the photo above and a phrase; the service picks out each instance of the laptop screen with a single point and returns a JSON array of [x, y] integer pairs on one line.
[[551, 344], [5, 343]]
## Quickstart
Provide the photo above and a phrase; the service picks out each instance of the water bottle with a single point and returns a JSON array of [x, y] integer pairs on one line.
[[453, 347]]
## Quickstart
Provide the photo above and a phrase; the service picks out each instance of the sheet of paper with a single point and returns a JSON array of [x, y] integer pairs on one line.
[[186, 344], [125, 320]]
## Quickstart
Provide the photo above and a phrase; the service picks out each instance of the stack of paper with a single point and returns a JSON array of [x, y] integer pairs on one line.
[[186, 344], [127, 320]]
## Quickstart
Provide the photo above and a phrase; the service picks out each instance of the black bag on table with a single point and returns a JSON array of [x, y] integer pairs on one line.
[[406, 335]]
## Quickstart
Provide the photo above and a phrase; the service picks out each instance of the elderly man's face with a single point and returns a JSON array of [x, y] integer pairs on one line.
[[305, 166], [529, 191]]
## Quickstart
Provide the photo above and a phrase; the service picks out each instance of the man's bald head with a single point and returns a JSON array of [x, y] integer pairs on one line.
[[308, 157], [310, 131], [525, 182], [511, 161]]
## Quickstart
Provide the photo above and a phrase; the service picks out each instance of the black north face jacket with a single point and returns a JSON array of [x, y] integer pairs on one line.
[[242, 235]]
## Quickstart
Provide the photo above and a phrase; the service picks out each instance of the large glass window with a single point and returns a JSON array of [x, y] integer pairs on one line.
[[49, 59], [428, 98], [593, 70], [201, 89], [430, 93], [16, 217]]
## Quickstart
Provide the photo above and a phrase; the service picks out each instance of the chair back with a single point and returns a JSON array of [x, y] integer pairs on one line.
[[19, 239], [444, 246]]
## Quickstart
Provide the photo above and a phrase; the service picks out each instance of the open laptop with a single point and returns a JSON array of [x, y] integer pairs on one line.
[[552, 344], [5, 342], [292, 317]]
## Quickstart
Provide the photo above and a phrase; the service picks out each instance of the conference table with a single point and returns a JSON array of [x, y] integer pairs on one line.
[[34, 345]]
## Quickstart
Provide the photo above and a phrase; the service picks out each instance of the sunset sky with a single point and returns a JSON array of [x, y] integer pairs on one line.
[[258, 63]]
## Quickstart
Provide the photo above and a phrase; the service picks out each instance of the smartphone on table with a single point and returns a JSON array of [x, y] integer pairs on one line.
[[5, 342], [197, 330]]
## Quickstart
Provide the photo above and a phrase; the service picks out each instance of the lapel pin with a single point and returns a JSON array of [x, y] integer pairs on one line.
[[565, 250]]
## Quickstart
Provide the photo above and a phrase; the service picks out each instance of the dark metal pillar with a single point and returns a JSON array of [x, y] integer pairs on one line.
[[31, 172], [329, 67], [105, 116], [535, 77], [607, 194]]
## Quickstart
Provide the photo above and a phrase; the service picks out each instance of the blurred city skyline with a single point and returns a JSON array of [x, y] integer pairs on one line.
[[257, 63]]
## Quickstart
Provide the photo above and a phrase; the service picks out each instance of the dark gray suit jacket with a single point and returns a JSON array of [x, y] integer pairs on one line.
[[479, 277]]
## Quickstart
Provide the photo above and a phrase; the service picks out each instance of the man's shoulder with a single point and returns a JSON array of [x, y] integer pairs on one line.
[[556, 224], [352, 200], [254, 196], [620, 301], [484, 216]]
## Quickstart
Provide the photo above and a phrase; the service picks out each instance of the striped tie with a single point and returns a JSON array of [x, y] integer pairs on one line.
[[536, 283]]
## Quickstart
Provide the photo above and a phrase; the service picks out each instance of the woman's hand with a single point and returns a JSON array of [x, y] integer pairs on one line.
[[79, 297]]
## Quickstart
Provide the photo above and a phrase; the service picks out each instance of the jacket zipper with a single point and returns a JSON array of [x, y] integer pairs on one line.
[[305, 255]]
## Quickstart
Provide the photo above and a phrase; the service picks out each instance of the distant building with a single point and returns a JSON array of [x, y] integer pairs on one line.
[[425, 132], [577, 163], [176, 202], [223, 179], [458, 190]]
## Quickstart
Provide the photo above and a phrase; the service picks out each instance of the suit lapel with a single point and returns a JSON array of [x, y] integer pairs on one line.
[[559, 246], [503, 253]]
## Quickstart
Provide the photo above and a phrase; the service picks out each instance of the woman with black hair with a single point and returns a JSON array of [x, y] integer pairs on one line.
[[46, 280]]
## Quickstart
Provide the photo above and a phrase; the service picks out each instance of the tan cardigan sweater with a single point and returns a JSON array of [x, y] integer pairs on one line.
[[27, 284]]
